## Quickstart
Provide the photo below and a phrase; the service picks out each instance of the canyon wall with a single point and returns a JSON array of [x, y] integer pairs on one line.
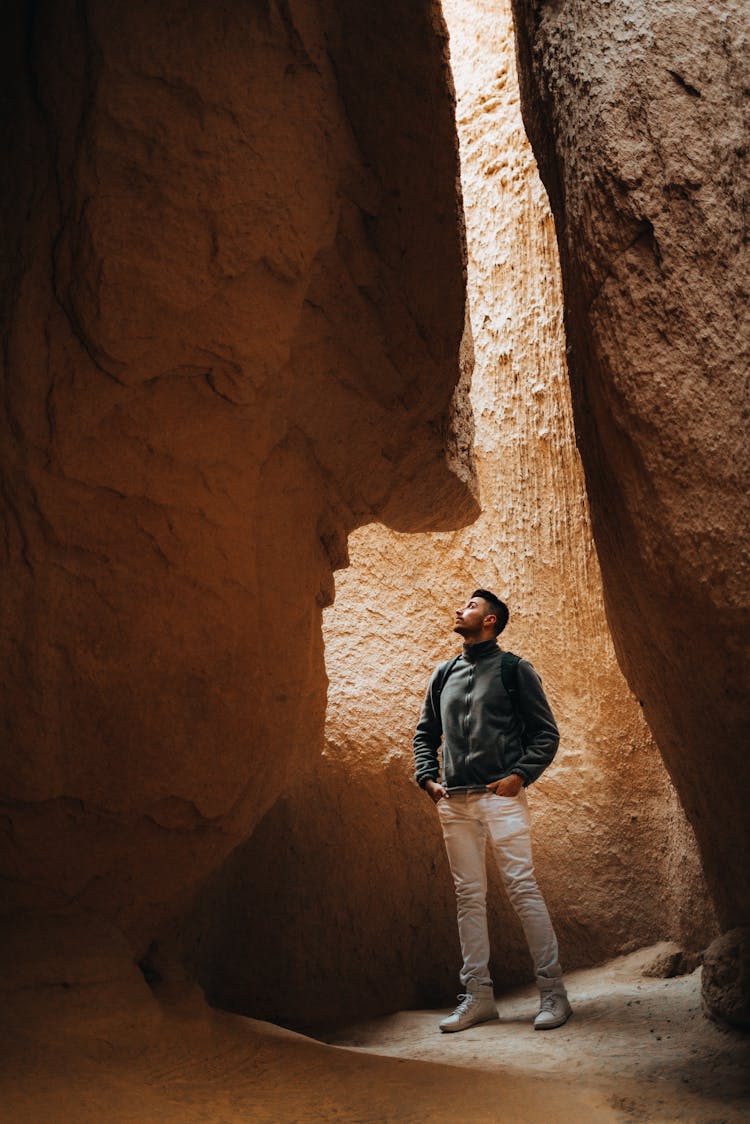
[[233, 310], [341, 904], [640, 118]]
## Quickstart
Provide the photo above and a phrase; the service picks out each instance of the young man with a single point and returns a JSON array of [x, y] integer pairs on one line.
[[495, 743]]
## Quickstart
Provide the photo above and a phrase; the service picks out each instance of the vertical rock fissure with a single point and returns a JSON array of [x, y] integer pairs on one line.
[[353, 855]]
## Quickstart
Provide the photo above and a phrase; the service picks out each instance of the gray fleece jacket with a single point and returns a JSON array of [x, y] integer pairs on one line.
[[481, 731]]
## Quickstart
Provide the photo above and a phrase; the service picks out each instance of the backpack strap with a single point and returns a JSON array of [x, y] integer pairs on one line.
[[440, 680], [509, 674]]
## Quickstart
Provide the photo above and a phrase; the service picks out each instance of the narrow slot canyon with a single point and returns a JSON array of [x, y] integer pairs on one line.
[[304, 339]]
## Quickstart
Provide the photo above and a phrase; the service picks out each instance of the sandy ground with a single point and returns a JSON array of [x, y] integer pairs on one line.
[[85, 1041], [75, 1058], [641, 1044]]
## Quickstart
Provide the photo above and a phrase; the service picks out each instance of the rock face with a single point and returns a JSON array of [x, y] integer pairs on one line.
[[234, 303], [726, 978], [341, 904], [638, 113]]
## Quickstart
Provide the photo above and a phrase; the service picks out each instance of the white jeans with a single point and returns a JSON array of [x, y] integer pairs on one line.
[[468, 820]]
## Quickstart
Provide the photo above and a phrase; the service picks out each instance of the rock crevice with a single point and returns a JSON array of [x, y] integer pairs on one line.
[[353, 854]]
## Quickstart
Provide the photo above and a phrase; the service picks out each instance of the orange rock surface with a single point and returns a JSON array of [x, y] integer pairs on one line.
[[233, 312], [638, 115]]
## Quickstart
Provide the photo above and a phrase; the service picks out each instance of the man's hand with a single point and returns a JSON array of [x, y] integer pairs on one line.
[[435, 791], [508, 786]]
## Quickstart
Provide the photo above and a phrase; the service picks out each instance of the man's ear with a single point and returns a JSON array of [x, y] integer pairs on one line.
[[490, 617]]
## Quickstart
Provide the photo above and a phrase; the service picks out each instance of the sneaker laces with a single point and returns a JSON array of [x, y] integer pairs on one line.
[[465, 1002], [549, 1002]]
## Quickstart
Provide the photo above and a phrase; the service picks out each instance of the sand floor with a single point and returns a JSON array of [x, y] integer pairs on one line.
[[641, 1044], [85, 1041]]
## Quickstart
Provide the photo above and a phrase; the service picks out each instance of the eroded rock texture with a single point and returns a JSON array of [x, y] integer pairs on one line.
[[726, 978], [342, 902], [234, 301], [639, 117]]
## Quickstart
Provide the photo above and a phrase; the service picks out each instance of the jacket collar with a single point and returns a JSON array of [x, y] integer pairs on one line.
[[474, 652]]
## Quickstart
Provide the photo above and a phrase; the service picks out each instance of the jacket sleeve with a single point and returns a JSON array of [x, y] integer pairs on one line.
[[427, 738], [541, 735]]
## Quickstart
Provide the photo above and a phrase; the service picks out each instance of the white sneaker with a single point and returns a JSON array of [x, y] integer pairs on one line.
[[477, 1006], [554, 1009]]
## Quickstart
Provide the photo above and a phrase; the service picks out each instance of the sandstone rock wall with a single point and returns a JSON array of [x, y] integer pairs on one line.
[[233, 307], [639, 115], [341, 903]]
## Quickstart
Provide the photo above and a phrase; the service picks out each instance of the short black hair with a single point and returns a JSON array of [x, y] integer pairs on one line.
[[499, 608]]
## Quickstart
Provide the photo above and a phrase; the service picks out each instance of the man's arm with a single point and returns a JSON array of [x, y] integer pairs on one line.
[[427, 738], [541, 734]]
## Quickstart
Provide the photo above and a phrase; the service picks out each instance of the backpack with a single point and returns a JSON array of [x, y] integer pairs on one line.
[[508, 672]]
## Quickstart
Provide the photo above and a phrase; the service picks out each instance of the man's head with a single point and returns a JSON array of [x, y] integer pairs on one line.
[[482, 617]]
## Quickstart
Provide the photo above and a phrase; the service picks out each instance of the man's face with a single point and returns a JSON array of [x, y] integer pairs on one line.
[[470, 619]]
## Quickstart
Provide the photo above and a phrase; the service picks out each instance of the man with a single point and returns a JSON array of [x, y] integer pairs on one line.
[[494, 745]]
